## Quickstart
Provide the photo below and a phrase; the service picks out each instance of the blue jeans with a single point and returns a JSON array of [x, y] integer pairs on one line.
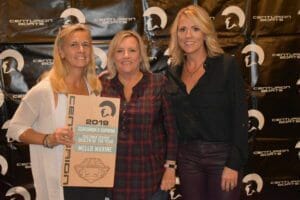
[[160, 195]]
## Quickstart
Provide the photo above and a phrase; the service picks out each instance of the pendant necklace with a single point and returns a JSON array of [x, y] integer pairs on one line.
[[191, 73]]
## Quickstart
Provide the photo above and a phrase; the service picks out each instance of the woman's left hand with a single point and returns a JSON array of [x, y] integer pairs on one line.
[[229, 179], [168, 180]]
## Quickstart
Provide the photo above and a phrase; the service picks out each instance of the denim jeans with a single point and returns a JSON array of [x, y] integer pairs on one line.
[[160, 195]]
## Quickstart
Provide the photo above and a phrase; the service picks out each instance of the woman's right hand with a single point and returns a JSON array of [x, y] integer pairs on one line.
[[63, 136]]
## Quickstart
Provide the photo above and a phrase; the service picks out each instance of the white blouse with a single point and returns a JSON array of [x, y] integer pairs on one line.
[[37, 111]]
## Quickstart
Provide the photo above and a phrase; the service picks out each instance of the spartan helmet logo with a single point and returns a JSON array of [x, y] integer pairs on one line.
[[235, 17], [256, 120], [12, 60], [73, 16], [3, 165], [107, 108], [12, 63], [253, 184], [155, 18], [254, 57], [17, 193], [101, 57]]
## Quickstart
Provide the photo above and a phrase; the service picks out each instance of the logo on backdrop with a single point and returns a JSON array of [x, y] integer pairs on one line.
[[3, 165], [235, 17], [73, 16], [102, 57], [12, 60], [272, 18], [286, 55], [155, 18], [12, 65], [286, 120], [30, 22], [17, 193], [254, 57], [107, 108], [253, 184], [256, 120]]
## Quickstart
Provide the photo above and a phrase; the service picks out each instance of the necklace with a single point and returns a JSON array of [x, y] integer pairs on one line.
[[191, 73]]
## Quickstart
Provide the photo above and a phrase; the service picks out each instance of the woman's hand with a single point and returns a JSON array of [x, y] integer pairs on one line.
[[61, 136], [168, 180], [229, 179]]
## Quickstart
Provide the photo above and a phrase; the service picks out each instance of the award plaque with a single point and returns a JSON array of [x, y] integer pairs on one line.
[[90, 161]]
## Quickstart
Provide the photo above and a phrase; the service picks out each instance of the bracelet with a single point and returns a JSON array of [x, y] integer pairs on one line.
[[168, 165], [46, 142]]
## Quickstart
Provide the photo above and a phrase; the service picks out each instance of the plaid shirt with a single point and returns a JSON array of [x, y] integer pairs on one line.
[[147, 137]]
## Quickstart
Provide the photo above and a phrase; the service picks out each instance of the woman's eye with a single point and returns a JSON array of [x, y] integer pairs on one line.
[[181, 29], [74, 44], [85, 44], [196, 29]]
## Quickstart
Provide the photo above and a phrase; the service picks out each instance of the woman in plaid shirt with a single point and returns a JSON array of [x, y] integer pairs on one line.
[[147, 145]]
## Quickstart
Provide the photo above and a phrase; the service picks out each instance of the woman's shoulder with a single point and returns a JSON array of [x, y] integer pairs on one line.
[[222, 57], [40, 88], [225, 60], [157, 79]]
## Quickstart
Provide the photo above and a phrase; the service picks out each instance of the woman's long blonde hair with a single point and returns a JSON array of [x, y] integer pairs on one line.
[[118, 38], [60, 70], [199, 16]]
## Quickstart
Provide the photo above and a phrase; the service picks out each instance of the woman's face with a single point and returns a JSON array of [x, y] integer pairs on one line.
[[76, 50], [127, 56], [190, 37]]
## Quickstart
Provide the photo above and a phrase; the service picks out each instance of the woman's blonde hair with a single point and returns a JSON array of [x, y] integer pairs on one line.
[[60, 69], [115, 42], [199, 16]]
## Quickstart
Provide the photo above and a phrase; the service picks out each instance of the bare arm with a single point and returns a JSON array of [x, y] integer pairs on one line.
[[62, 136]]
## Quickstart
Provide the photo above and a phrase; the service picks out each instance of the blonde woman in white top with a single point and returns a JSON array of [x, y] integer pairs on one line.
[[40, 119]]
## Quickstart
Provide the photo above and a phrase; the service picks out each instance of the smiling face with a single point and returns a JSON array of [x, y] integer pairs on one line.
[[127, 56], [76, 50], [190, 37]]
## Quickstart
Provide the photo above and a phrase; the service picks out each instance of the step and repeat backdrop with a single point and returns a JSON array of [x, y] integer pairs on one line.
[[264, 35]]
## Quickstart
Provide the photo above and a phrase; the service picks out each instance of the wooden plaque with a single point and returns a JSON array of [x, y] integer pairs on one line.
[[90, 162]]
